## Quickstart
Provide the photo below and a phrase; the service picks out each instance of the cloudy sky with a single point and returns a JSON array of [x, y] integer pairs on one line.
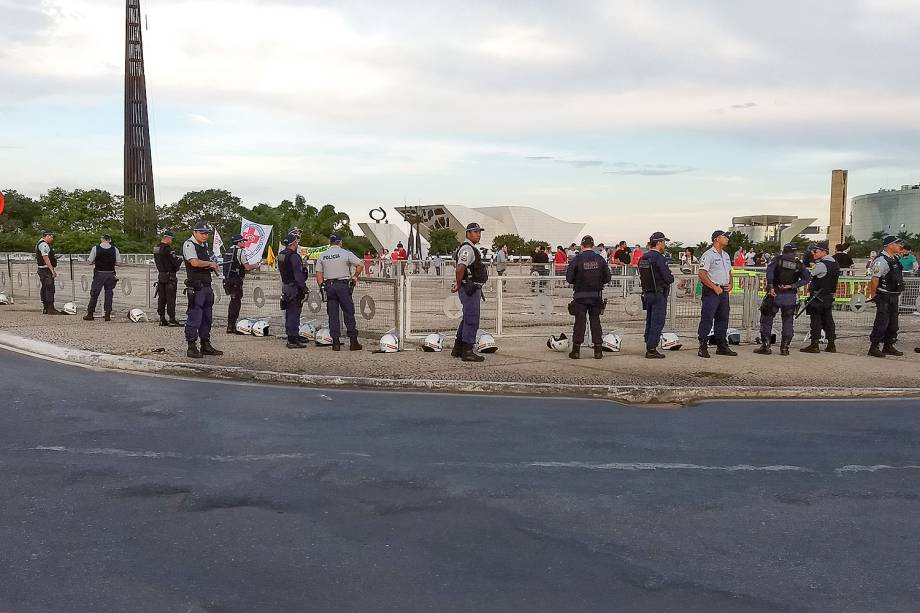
[[632, 116]]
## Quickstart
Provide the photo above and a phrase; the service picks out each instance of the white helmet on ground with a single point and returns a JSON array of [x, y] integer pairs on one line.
[[558, 343], [670, 341], [308, 330], [389, 342], [4, 299], [323, 337], [611, 342], [137, 315], [732, 335], [70, 308], [485, 343], [244, 326], [433, 342], [260, 328]]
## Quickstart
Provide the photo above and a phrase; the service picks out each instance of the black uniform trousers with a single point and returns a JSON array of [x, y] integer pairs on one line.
[[885, 327], [821, 312], [102, 281], [234, 289], [587, 309], [167, 287], [47, 288]]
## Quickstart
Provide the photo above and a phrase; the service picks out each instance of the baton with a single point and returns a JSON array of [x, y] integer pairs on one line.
[[805, 304]]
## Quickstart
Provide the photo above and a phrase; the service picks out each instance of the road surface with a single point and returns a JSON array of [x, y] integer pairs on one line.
[[132, 493]]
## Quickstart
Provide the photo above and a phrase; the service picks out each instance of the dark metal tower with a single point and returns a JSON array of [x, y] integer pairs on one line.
[[140, 212]]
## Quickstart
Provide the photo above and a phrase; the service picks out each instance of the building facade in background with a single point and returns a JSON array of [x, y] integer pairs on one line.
[[889, 211], [779, 228]]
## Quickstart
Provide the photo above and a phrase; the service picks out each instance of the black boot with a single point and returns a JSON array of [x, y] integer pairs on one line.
[[764, 349], [812, 348], [53, 311], [654, 354], [207, 349], [354, 345], [889, 349], [469, 356], [174, 323], [725, 350], [88, 317], [784, 346], [336, 345], [44, 308], [831, 347], [294, 343], [703, 351], [164, 323], [598, 352], [457, 351], [107, 317], [193, 350], [575, 353], [875, 352]]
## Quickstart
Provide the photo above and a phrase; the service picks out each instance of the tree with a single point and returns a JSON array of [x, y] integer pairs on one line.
[[515, 244], [218, 207], [359, 245], [443, 241], [21, 213], [531, 247], [84, 211]]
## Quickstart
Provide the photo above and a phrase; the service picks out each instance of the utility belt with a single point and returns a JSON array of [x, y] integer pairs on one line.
[[232, 286], [299, 295], [725, 288], [573, 308], [471, 287], [191, 287]]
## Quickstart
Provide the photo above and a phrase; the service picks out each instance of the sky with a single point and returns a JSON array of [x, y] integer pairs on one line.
[[629, 115]]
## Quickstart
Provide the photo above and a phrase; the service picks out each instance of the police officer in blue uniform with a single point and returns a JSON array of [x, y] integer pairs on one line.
[[168, 264], [656, 280], [293, 289], [235, 269], [104, 257], [46, 258], [715, 273], [471, 275], [198, 269], [823, 286], [588, 273], [785, 275], [337, 272], [885, 288]]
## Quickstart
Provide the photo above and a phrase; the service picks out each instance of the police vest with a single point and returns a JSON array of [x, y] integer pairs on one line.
[[105, 259], [893, 282], [286, 266], [788, 270], [649, 276], [52, 256], [828, 283], [589, 273], [165, 260], [475, 272], [231, 264], [199, 274]]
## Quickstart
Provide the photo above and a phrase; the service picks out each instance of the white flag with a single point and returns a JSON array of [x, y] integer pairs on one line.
[[217, 244], [255, 237]]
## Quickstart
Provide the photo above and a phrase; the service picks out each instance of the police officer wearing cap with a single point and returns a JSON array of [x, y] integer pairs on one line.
[[656, 280], [885, 288], [821, 289], [198, 268], [587, 273], [293, 289], [168, 264], [337, 271], [785, 275], [235, 269], [46, 258], [471, 275], [716, 275], [104, 257]]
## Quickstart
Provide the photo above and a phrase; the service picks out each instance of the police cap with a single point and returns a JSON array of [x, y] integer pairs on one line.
[[789, 248], [658, 236], [290, 238], [719, 233], [587, 239], [168, 233], [202, 226], [474, 227], [891, 239], [106, 237], [335, 238], [822, 245], [48, 233], [237, 238]]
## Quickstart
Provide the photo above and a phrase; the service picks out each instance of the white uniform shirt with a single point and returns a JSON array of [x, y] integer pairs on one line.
[[92, 252], [466, 255], [188, 249], [718, 265], [336, 263], [44, 249]]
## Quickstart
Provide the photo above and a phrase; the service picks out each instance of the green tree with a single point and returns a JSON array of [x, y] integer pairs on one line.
[[218, 207], [21, 213], [530, 247], [84, 211], [515, 244], [443, 241], [359, 245]]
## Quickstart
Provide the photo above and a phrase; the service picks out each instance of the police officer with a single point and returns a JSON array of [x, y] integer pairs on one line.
[[471, 275], [821, 291], [167, 284], [588, 273], [235, 269], [716, 275], [293, 289], [885, 288], [198, 269], [46, 259], [104, 257], [785, 275], [656, 280], [337, 272]]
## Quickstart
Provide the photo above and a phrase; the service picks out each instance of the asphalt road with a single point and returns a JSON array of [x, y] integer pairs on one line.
[[131, 493]]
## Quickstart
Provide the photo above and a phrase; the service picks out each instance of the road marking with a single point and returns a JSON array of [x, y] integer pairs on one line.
[[169, 455], [630, 466], [856, 468]]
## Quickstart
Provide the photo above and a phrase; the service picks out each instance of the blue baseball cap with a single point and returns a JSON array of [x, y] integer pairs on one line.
[[335, 238], [236, 238], [891, 239], [290, 238]]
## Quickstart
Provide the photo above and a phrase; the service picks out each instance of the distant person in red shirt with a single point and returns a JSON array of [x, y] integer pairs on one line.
[[368, 262], [636, 256], [561, 260], [399, 253], [739, 258]]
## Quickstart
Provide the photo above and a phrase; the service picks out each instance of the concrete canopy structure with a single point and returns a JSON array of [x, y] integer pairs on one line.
[[890, 211], [527, 222], [780, 228]]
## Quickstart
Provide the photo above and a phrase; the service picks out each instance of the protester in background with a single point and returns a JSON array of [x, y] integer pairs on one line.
[[368, 263], [908, 260], [501, 262], [739, 260], [540, 267], [873, 255], [561, 260], [602, 251], [842, 257], [636, 256], [687, 257], [751, 258], [622, 253], [571, 252], [385, 263]]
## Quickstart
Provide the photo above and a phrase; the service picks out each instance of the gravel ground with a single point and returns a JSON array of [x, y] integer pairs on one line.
[[518, 359]]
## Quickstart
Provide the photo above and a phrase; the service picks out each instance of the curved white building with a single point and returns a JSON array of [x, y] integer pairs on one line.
[[889, 210]]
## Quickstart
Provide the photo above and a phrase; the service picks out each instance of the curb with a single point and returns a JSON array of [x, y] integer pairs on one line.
[[631, 394]]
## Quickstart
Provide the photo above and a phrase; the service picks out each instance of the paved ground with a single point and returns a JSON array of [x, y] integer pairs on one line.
[[132, 493], [518, 359]]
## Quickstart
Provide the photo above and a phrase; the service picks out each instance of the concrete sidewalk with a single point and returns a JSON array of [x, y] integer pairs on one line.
[[520, 366]]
